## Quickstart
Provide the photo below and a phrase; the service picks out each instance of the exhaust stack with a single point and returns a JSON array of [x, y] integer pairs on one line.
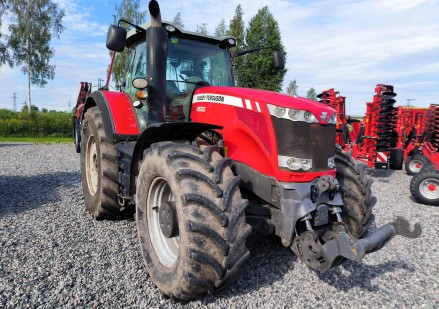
[[156, 50]]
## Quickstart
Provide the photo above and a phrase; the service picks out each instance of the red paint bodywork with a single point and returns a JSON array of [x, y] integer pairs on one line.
[[248, 133], [122, 113]]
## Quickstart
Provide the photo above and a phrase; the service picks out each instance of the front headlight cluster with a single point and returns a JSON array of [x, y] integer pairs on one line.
[[295, 164], [299, 114], [292, 114]]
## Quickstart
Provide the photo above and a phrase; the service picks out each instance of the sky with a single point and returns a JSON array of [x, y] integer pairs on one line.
[[347, 45]]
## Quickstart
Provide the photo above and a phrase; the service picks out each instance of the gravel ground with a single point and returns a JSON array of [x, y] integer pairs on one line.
[[53, 255]]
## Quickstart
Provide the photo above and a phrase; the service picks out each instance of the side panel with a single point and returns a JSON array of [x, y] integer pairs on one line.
[[122, 113]]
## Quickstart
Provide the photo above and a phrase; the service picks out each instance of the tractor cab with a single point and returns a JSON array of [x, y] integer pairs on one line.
[[192, 61]]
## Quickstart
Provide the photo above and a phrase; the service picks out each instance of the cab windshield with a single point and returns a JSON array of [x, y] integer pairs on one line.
[[190, 64]]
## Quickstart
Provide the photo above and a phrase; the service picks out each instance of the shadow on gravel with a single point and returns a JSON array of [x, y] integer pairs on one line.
[[358, 275], [269, 261], [22, 193], [13, 144], [378, 173]]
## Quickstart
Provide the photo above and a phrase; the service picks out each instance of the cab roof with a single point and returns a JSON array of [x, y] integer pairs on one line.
[[134, 35]]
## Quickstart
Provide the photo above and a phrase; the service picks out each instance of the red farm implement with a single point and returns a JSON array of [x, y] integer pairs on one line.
[[424, 186], [376, 145], [84, 92]]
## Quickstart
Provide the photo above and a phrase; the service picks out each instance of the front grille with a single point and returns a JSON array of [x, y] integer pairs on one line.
[[306, 141]]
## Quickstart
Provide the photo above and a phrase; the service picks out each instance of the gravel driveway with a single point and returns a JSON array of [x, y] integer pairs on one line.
[[53, 254]]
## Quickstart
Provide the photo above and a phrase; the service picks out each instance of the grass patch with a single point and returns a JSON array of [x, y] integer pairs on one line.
[[42, 140]]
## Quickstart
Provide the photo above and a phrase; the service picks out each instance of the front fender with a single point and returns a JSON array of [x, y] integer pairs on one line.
[[117, 114]]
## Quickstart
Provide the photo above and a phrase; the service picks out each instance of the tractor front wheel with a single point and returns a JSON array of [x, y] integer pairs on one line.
[[190, 219], [99, 169], [424, 187], [356, 193]]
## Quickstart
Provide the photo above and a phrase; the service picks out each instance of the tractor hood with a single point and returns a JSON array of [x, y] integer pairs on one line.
[[257, 100]]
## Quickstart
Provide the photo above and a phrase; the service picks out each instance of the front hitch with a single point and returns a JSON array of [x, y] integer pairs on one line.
[[339, 243]]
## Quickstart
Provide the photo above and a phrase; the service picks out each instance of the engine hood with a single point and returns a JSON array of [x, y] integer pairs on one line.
[[241, 97]]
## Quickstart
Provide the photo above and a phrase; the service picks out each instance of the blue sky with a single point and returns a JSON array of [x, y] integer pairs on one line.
[[347, 45]]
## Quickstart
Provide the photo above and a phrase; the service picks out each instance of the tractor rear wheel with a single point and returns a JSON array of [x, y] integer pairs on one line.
[[424, 187], [99, 169], [356, 193], [190, 219], [414, 166]]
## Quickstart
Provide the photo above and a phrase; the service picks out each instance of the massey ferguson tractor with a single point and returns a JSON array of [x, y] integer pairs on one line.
[[199, 160]]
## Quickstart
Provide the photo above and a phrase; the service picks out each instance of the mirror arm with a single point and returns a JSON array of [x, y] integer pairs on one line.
[[248, 51], [139, 29]]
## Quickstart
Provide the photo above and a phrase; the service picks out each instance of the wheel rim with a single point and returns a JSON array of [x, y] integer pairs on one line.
[[92, 165], [415, 166], [429, 188], [166, 249]]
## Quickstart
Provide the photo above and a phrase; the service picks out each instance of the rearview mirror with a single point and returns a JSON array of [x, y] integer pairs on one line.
[[116, 38], [278, 61]]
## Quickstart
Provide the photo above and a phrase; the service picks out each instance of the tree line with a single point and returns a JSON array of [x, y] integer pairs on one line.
[[31, 29], [35, 124]]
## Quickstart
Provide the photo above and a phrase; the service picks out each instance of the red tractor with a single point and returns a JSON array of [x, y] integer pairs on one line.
[[198, 160]]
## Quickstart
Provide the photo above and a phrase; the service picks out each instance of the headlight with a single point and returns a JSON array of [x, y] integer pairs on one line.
[[309, 117], [333, 118], [331, 162], [295, 164], [279, 111], [294, 114]]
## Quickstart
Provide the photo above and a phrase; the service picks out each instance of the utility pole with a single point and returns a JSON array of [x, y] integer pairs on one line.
[[408, 102], [14, 97], [69, 106]]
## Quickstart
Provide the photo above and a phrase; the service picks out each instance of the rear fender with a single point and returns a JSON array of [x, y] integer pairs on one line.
[[117, 114]]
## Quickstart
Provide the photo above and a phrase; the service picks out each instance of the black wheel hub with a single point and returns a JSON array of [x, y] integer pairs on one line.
[[168, 219]]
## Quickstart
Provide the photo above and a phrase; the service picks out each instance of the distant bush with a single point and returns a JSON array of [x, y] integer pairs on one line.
[[35, 124]]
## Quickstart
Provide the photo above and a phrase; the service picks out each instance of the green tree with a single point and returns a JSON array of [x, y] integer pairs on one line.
[[202, 29], [4, 54], [292, 87], [32, 27], [257, 71], [178, 21], [221, 29], [311, 94], [237, 29], [130, 11]]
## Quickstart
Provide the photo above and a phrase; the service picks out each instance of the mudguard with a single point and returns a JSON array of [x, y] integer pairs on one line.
[[117, 113]]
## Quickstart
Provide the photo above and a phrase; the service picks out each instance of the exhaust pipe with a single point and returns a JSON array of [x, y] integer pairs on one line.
[[156, 50]]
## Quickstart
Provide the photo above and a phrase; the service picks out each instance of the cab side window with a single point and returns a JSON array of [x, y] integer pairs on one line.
[[136, 66]]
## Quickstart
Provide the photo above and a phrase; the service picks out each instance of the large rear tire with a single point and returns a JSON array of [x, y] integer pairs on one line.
[[414, 166], [356, 193], [190, 219], [99, 169], [424, 187]]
